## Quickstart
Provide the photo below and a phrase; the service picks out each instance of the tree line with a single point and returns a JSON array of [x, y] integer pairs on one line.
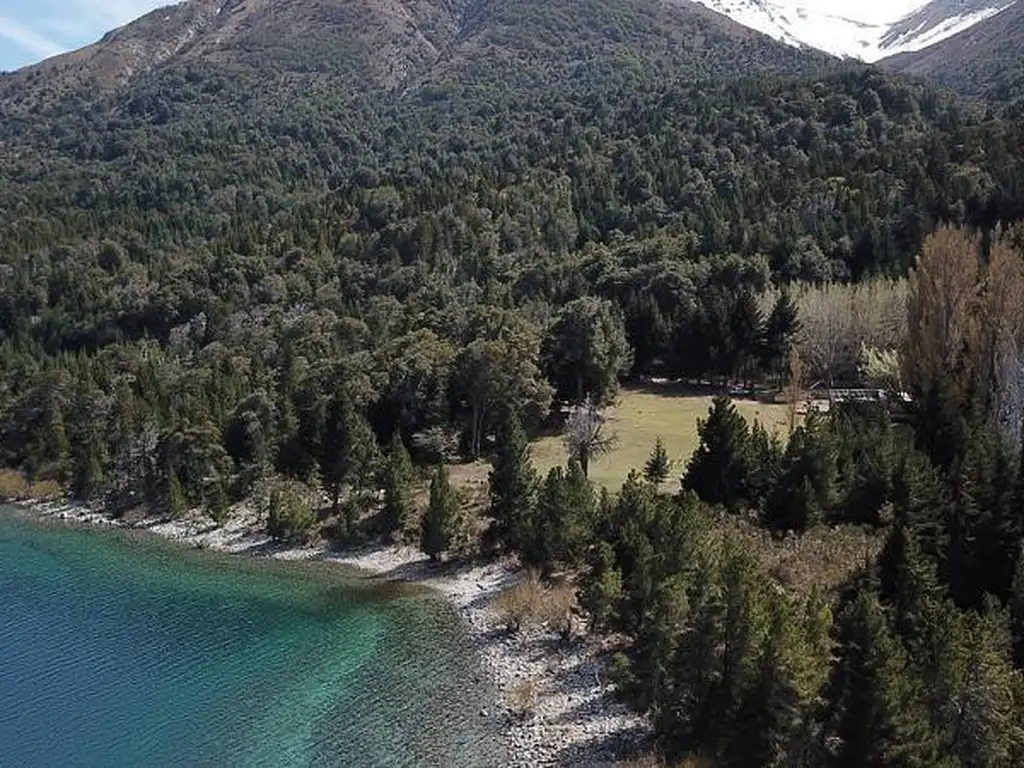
[[916, 658]]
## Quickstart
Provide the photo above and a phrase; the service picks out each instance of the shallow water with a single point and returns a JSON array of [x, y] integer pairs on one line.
[[117, 649]]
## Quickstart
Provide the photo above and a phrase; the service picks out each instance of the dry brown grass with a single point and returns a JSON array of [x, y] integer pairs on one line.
[[822, 557], [46, 490], [523, 697], [13, 485], [531, 602]]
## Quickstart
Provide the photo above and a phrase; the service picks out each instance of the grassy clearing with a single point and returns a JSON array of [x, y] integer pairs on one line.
[[639, 418]]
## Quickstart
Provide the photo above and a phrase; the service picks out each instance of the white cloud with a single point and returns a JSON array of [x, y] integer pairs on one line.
[[28, 39]]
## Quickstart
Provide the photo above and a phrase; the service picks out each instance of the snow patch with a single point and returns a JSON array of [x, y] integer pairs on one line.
[[922, 38], [861, 29]]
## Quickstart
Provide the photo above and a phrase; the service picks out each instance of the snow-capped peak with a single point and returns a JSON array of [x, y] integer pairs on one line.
[[862, 29]]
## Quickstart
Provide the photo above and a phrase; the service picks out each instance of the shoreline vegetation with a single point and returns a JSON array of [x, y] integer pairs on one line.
[[556, 705]]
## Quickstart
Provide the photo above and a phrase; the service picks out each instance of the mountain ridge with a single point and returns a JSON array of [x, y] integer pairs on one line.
[[392, 45], [985, 61], [868, 31]]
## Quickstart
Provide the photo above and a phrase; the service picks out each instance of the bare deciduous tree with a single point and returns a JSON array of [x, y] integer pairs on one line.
[[1004, 324], [794, 387], [943, 328], [838, 320], [586, 438]]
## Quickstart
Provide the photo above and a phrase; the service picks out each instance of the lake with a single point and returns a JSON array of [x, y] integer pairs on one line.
[[117, 648]]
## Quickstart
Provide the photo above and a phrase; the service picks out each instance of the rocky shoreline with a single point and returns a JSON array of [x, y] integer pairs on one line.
[[573, 717]]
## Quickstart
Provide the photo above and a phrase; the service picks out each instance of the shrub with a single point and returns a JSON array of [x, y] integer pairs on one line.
[[46, 490], [290, 516], [12, 485], [534, 603], [523, 698]]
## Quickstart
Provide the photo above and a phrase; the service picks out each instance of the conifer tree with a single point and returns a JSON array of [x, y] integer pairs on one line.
[[658, 466], [717, 469], [770, 708], [1017, 612], [780, 328], [983, 690], [87, 473], [764, 462], [875, 706], [688, 718], [441, 520], [805, 488], [603, 590], [545, 538], [908, 582], [575, 527], [396, 481], [348, 447], [512, 483], [217, 503], [744, 623]]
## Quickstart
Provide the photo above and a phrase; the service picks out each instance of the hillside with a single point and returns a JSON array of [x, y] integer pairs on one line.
[[391, 46], [199, 193], [986, 60]]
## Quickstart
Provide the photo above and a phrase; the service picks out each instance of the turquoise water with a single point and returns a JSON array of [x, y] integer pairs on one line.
[[116, 649]]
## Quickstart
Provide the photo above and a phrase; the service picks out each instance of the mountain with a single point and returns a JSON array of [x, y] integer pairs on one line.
[[986, 60], [867, 30], [392, 46], [218, 216]]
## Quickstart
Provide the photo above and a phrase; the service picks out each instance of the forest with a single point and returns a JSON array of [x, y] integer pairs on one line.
[[213, 294]]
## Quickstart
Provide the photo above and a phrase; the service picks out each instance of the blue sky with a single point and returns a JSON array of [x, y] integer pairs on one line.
[[32, 30]]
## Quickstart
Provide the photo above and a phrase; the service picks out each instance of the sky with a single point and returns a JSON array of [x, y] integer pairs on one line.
[[32, 30]]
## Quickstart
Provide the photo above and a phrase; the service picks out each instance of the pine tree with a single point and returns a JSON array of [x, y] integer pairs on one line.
[[875, 705], [574, 528], [348, 448], [545, 539], [603, 589], [441, 520], [805, 488], [87, 474], [687, 720], [764, 462], [658, 466], [218, 505], [770, 708], [396, 481], [909, 583], [717, 469], [1017, 612], [512, 483], [781, 327], [745, 331], [983, 692], [744, 623]]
